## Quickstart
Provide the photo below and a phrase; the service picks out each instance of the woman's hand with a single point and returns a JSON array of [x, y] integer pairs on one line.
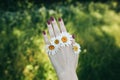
[[62, 50]]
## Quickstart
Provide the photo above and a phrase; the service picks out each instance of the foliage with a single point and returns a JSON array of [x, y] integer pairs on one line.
[[96, 26], [15, 5]]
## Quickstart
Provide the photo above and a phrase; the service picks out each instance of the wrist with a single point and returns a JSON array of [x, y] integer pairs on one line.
[[68, 75]]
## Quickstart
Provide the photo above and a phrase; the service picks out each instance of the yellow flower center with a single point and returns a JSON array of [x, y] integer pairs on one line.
[[56, 41], [75, 48], [51, 47], [64, 39]]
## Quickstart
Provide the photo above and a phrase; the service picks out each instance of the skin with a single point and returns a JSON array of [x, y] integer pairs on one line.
[[65, 61]]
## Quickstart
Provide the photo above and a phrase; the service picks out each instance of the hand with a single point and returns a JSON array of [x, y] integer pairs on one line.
[[61, 50]]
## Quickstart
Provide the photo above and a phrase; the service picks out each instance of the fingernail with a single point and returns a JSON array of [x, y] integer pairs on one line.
[[48, 22], [52, 18], [59, 19], [44, 32], [73, 36]]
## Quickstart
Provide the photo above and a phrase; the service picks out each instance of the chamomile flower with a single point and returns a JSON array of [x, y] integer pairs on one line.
[[65, 38], [51, 49], [76, 48], [56, 41]]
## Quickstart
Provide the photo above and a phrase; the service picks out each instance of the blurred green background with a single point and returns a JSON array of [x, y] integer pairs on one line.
[[95, 23]]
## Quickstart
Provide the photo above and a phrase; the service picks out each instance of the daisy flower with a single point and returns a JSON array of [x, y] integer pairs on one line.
[[65, 38], [76, 48], [56, 41], [51, 49]]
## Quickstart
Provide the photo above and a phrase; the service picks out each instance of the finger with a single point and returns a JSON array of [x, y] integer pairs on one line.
[[45, 38], [50, 29], [76, 61], [75, 56], [73, 39], [62, 26], [55, 26]]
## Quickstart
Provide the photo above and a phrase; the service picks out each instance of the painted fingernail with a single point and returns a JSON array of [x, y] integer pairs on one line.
[[44, 32], [73, 36], [48, 22], [52, 18], [59, 19]]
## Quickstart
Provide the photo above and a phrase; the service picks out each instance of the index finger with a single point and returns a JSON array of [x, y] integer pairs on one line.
[[62, 26]]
